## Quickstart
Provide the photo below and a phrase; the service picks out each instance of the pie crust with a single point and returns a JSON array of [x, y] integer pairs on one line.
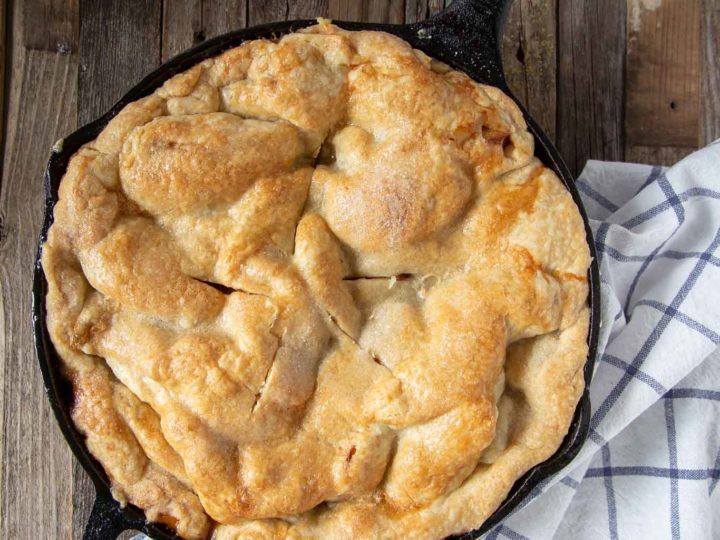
[[318, 287]]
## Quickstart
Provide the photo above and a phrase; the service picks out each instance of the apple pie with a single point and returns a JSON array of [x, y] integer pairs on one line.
[[318, 287]]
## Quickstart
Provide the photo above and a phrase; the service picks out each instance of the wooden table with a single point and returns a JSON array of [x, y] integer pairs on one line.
[[606, 79]]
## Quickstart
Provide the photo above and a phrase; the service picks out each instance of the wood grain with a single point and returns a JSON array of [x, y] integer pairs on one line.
[[529, 58], [662, 93], [119, 44], [182, 26], [657, 155], [513, 53], [222, 16], [36, 463], [307, 9], [419, 10], [189, 22], [384, 11], [591, 57], [345, 10], [3, 78], [710, 71], [51, 25], [267, 11]]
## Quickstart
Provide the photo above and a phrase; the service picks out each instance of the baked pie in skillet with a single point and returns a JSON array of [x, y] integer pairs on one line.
[[318, 288]]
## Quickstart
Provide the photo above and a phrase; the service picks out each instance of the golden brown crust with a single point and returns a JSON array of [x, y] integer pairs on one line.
[[320, 288]]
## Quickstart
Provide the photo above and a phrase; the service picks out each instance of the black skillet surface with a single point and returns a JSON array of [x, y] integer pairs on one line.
[[466, 36]]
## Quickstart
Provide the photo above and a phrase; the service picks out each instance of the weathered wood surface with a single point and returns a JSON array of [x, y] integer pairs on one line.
[[710, 70], [529, 57], [3, 67], [65, 62], [591, 54], [119, 44], [662, 94], [662, 91], [41, 105]]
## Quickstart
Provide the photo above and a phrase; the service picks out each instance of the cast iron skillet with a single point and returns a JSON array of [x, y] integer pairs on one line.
[[466, 36]]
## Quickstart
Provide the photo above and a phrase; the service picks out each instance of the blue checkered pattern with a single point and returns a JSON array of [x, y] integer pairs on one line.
[[652, 462]]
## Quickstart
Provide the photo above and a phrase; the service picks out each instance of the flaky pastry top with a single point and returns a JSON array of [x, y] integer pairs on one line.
[[318, 287]]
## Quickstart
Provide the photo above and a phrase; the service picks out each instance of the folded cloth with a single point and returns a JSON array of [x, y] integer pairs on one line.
[[651, 464]]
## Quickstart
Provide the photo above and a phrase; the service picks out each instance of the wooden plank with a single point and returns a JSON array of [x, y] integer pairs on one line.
[[222, 16], [591, 56], [345, 10], [657, 155], [392, 11], [83, 497], [307, 9], [513, 53], [182, 26], [710, 68], [261, 11], [264, 11], [189, 22], [3, 69], [119, 44], [662, 93], [381, 11], [419, 10], [35, 477], [540, 37], [51, 25], [529, 58], [384, 11], [4, 307]]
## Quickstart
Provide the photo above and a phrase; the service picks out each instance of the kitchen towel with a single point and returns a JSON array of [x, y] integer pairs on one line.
[[651, 464]]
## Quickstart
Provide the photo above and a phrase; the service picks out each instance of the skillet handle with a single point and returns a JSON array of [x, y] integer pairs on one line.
[[106, 520], [468, 34]]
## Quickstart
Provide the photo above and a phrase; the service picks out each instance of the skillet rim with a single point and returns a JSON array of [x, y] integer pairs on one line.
[[107, 518]]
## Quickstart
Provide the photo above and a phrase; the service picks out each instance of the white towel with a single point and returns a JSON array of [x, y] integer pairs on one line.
[[651, 465]]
